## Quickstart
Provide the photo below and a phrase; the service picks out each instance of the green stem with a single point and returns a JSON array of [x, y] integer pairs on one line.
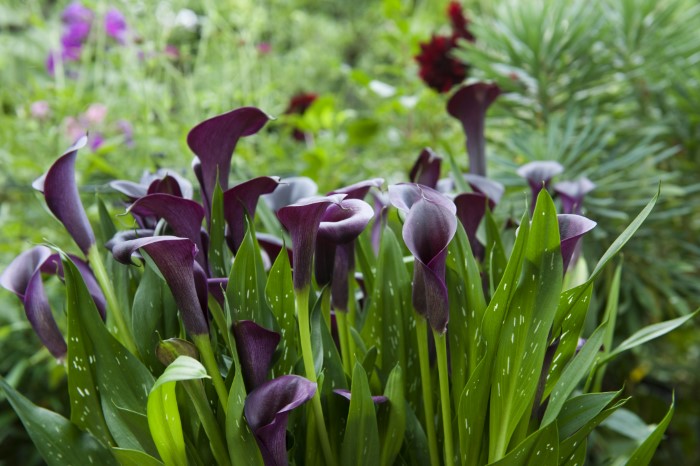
[[423, 358], [195, 390], [121, 331], [302, 302], [209, 361], [441, 350], [326, 306], [352, 315], [341, 317]]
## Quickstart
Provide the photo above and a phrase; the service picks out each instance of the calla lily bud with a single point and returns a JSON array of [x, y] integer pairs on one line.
[[169, 350], [61, 193], [539, 174], [571, 229], [471, 208], [469, 105], [213, 142], [267, 410], [428, 230], [256, 346], [302, 221], [426, 170]]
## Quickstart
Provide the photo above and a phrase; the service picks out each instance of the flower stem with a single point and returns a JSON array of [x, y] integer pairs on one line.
[[352, 317], [341, 318], [423, 358], [209, 361], [302, 302], [121, 332], [195, 390], [441, 350]]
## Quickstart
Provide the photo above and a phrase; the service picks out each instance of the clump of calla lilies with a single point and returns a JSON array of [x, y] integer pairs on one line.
[[262, 322]]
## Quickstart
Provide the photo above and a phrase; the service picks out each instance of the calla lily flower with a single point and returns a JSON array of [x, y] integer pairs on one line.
[[572, 193], [471, 208], [162, 181], [270, 247], [267, 409], [242, 199], [302, 221], [538, 175], [426, 170], [359, 190], [340, 225], [404, 195], [174, 257], [469, 105], [256, 345], [62, 197], [128, 235], [377, 399], [23, 278], [571, 229], [289, 191], [213, 142], [493, 190], [428, 229]]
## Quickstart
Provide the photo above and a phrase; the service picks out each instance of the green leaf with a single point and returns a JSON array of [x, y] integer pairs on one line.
[[578, 368], [471, 415], [568, 447], [280, 297], [524, 335], [217, 246], [361, 442], [540, 448], [416, 444], [164, 423], [643, 454], [577, 411], [246, 284], [392, 417], [366, 259], [649, 333], [495, 255], [128, 457], [107, 228], [58, 440]]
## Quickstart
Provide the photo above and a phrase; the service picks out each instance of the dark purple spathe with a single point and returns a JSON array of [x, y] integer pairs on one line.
[[571, 229], [266, 410], [572, 193], [290, 191], [377, 399], [242, 199], [360, 189], [471, 208], [469, 105], [426, 170], [256, 345], [404, 195], [62, 197]]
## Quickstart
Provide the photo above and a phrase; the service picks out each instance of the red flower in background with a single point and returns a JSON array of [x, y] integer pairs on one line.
[[438, 69], [298, 105]]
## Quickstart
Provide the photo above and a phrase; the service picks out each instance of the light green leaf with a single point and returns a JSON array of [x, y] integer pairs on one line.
[[59, 441], [577, 411], [392, 417], [128, 457], [361, 442], [280, 297], [218, 251], [494, 256], [541, 448], [471, 409], [568, 447], [643, 454]]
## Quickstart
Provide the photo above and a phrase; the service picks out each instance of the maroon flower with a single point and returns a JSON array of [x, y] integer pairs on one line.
[[459, 22], [298, 105]]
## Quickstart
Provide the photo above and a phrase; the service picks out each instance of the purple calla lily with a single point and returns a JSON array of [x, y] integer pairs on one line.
[[469, 105], [267, 409], [359, 190], [340, 225], [572, 193], [571, 229], [174, 257], [428, 229], [404, 195], [493, 190], [128, 235], [426, 170], [61, 193], [270, 247], [538, 175], [213, 142], [302, 221], [377, 399], [184, 217], [471, 208], [240, 200], [256, 345], [217, 288], [289, 191]]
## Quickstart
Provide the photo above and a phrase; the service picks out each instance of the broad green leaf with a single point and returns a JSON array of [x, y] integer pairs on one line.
[[524, 335], [577, 369], [643, 454], [128, 457], [649, 333], [541, 448], [624, 236], [494, 256], [568, 446], [361, 442], [107, 228], [164, 423], [217, 245], [392, 417], [58, 440], [366, 260], [246, 284], [471, 414], [149, 313], [578, 458], [457, 334], [577, 411], [280, 297], [123, 381], [415, 447]]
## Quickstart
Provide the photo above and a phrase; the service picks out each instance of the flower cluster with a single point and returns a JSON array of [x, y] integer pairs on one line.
[[78, 21], [94, 121], [438, 68]]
